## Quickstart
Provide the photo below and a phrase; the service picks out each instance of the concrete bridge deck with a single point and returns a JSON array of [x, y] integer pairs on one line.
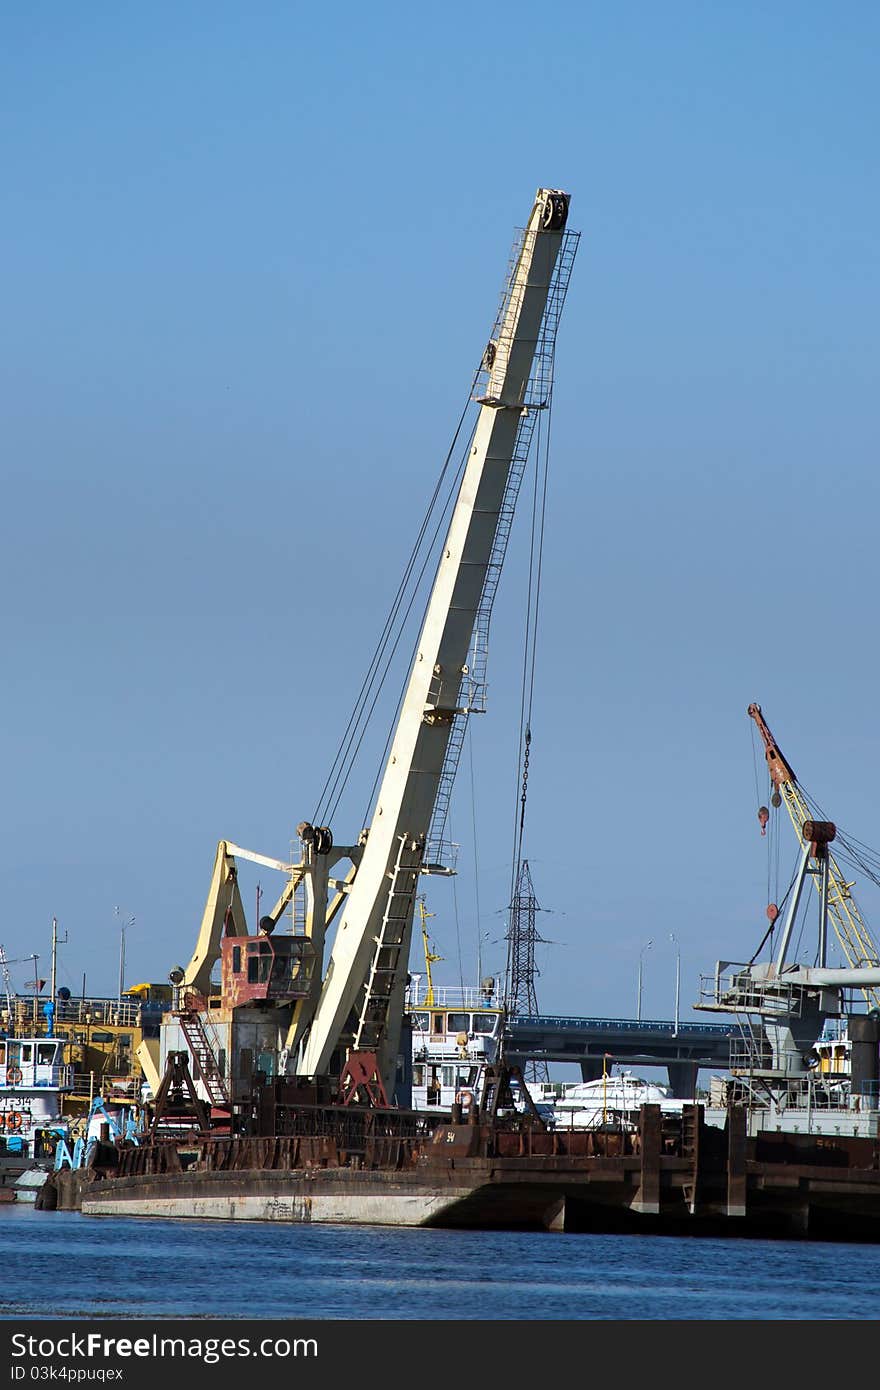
[[682, 1048]]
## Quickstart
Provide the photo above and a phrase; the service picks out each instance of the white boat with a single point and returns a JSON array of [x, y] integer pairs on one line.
[[33, 1079], [614, 1099], [455, 1033]]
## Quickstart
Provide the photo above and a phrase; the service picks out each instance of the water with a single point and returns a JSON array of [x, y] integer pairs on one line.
[[111, 1267]]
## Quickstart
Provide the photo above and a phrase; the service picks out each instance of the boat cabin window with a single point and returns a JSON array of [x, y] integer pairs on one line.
[[259, 963], [437, 1023], [458, 1023], [27, 1052], [288, 960], [418, 1075], [485, 1023], [420, 1022], [46, 1054], [2, 1054]]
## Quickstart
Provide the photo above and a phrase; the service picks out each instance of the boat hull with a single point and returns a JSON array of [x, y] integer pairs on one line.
[[697, 1180], [342, 1198]]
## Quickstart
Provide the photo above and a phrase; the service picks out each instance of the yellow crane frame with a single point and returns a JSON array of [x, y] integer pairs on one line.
[[851, 931]]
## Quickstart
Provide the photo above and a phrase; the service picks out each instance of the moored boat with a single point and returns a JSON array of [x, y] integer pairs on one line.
[[33, 1083], [612, 1099]]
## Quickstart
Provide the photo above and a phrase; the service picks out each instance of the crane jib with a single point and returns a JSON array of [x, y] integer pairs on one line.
[[360, 1002]]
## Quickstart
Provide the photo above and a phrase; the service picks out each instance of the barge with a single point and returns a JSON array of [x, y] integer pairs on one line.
[[669, 1174]]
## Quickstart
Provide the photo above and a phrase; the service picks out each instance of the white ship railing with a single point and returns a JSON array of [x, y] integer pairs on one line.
[[450, 997], [19, 1076]]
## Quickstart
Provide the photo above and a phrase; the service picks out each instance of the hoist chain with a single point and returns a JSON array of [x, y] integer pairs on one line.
[[525, 781]]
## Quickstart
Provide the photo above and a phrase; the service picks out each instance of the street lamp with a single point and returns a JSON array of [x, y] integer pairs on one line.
[[674, 941], [647, 946], [124, 924]]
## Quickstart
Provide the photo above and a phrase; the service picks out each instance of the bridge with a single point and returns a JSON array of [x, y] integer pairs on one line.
[[682, 1048]]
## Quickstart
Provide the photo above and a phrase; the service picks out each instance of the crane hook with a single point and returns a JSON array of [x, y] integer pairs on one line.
[[763, 817]]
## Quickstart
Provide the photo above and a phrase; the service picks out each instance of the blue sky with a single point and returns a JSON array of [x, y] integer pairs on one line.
[[252, 255]]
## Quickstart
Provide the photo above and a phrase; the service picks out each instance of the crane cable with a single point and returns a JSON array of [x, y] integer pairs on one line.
[[851, 851], [847, 847], [773, 838], [351, 741], [533, 598], [476, 859], [449, 503]]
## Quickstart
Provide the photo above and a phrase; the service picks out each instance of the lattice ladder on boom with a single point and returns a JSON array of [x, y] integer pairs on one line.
[[207, 1070], [399, 906], [472, 694], [473, 688]]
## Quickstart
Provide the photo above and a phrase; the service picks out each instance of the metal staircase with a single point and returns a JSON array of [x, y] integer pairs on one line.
[[207, 1070]]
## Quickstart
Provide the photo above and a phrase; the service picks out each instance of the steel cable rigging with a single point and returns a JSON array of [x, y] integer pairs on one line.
[[389, 639], [529, 663]]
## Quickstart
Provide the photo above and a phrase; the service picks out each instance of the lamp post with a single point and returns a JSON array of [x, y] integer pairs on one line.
[[647, 946], [125, 923], [674, 941]]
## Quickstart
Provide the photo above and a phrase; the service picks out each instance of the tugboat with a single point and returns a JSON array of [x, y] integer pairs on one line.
[[33, 1082]]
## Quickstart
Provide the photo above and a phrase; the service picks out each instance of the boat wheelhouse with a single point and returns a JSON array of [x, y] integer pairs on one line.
[[33, 1080], [455, 1034]]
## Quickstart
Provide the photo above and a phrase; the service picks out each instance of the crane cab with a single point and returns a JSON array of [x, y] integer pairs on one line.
[[265, 969]]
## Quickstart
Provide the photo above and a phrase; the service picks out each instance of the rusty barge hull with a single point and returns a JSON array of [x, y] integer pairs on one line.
[[801, 1202], [697, 1181]]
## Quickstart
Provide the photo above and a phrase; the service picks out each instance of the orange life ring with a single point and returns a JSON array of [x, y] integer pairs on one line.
[[464, 1098], [13, 1120], [13, 1075], [2, 1120]]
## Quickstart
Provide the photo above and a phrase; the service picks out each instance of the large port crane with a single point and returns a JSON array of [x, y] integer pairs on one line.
[[354, 1009], [850, 929], [360, 1005]]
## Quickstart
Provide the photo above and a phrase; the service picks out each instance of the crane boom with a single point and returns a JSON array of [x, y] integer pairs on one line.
[[851, 931], [360, 1004]]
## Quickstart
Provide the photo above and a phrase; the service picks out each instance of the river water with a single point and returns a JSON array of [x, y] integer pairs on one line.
[[63, 1265]]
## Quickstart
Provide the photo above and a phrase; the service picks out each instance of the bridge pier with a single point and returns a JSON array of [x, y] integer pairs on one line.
[[683, 1079], [591, 1068]]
